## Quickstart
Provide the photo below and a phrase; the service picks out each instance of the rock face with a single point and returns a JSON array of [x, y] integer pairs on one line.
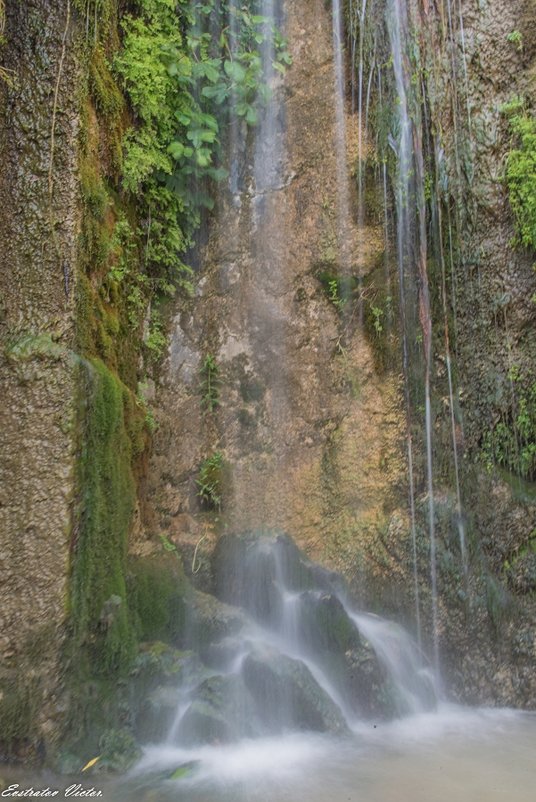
[[310, 414], [38, 231], [468, 67], [299, 424], [310, 429], [493, 323]]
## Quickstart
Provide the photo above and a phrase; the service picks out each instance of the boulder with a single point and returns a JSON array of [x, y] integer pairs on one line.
[[221, 710], [286, 694]]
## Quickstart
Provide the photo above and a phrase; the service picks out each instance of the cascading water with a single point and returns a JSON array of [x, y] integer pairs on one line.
[[412, 268], [298, 675], [303, 659], [294, 704]]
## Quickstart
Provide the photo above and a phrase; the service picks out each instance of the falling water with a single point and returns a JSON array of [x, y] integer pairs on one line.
[[459, 505], [268, 155], [304, 658], [402, 660], [361, 121], [410, 231], [293, 612], [262, 163], [235, 124], [343, 185]]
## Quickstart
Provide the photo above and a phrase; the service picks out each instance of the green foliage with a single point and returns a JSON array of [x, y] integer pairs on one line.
[[156, 596], [334, 293], [377, 315], [521, 171], [339, 289], [512, 442], [177, 77], [210, 381], [99, 611], [156, 340], [515, 38], [210, 481]]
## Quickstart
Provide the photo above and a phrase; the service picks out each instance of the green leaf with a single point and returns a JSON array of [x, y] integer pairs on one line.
[[185, 119], [234, 70], [251, 116], [202, 158], [176, 149]]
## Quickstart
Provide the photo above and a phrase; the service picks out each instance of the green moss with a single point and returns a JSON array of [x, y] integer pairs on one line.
[[109, 103], [156, 598], [93, 191], [99, 611], [118, 750], [511, 443], [19, 704], [521, 171]]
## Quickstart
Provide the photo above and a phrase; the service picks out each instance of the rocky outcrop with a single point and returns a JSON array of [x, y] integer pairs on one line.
[[493, 318], [309, 428], [38, 230]]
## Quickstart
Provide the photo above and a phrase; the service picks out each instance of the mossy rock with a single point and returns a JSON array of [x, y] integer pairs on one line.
[[19, 703], [157, 713], [158, 597], [118, 751], [160, 664]]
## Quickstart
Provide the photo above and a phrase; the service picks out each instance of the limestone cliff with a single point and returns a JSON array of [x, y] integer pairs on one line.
[[39, 222]]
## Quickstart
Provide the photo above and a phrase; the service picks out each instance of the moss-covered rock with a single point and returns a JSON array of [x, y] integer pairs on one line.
[[158, 597], [19, 702], [210, 620], [100, 619]]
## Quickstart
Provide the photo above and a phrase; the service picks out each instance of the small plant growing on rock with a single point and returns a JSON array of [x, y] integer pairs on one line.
[[210, 383], [210, 481], [377, 315], [521, 170], [515, 38]]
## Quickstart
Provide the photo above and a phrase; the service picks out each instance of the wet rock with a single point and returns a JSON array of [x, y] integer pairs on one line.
[[157, 714], [522, 574], [154, 688], [210, 620], [287, 695], [222, 710], [250, 572], [327, 632]]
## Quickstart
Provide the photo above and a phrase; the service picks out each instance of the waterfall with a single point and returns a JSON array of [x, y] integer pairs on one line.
[[303, 658], [344, 240], [412, 267]]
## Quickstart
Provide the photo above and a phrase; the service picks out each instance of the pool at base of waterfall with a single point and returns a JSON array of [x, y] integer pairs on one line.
[[452, 755]]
